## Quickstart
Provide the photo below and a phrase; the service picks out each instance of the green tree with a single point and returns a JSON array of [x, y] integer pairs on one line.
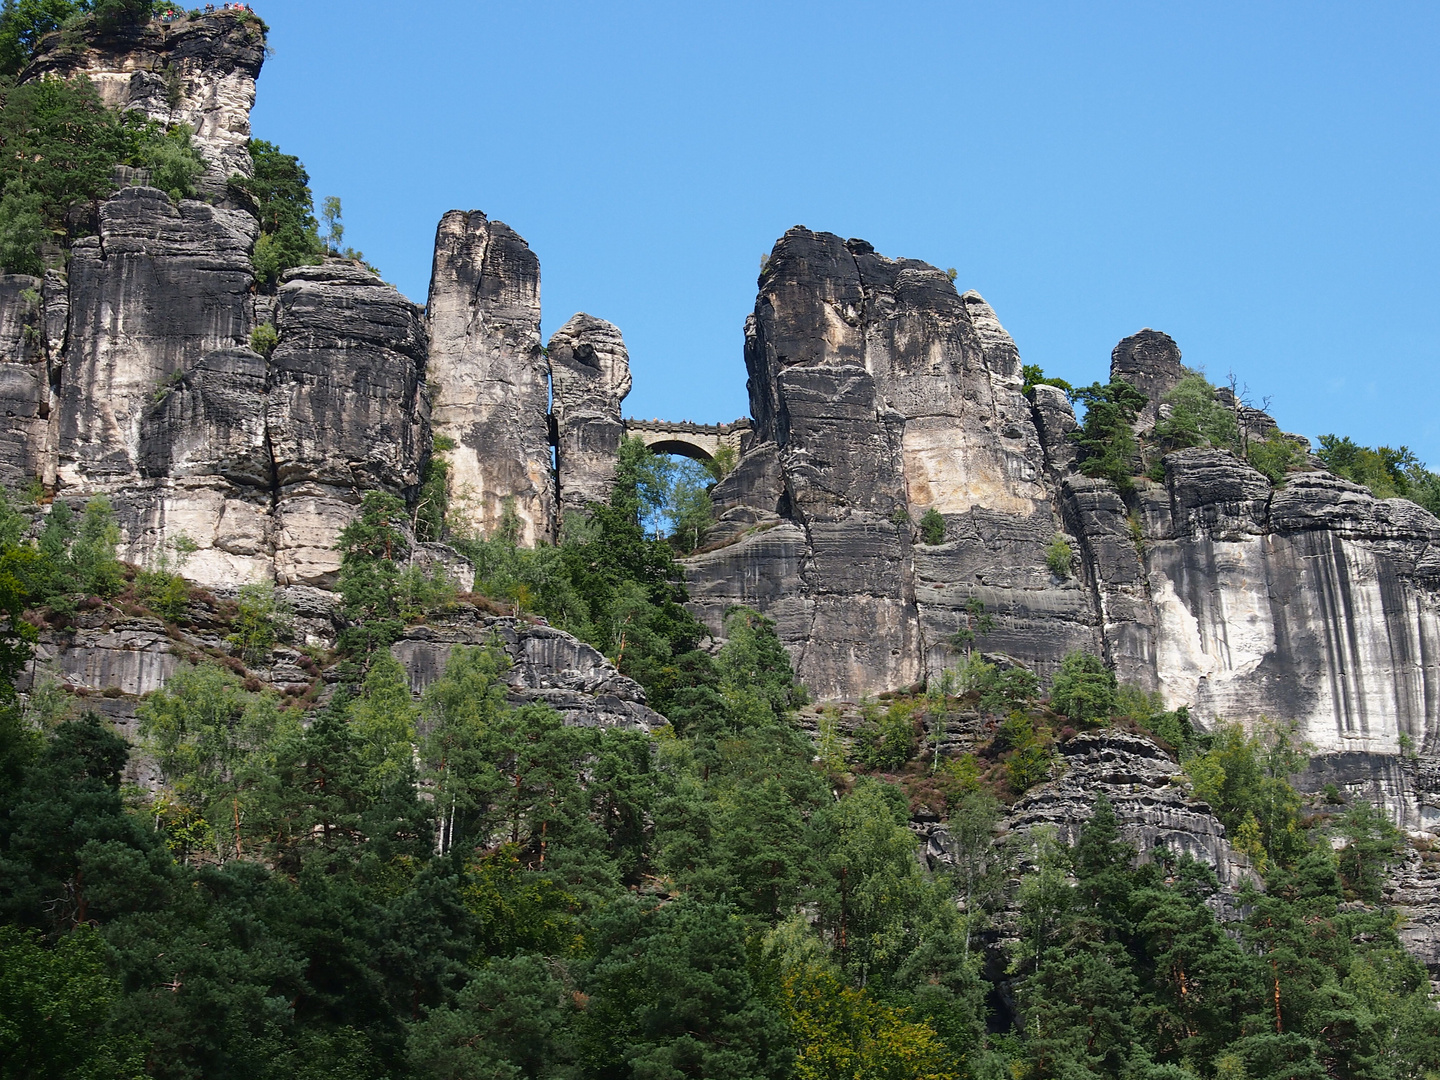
[[1245, 778], [61, 148], [464, 708], [1387, 471], [112, 15], [58, 1004], [175, 165], [213, 742], [671, 994], [69, 852], [93, 551], [1084, 689], [1372, 845], [1196, 418], [932, 526], [23, 23], [513, 1019], [974, 622], [369, 579], [280, 190], [1106, 437]]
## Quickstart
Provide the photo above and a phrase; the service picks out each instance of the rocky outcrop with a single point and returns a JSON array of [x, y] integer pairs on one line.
[[161, 287], [1150, 362], [199, 72], [345, 411], [1314, 602], [489, 376], [163, 406], [880, 393], [1149, 794], [547, 666], [589, 378]]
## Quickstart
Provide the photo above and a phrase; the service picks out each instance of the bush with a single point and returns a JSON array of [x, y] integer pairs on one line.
[[173, 162], [164, 593], [264, 338], [259, 621], [1196, 418], [1034, 376], [1388, 472], [1059, 556], [932, 527], [112, 15], [1274, 457]]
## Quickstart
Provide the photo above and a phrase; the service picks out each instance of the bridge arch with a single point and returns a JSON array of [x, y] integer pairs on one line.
[[695, 449], [698, 441]]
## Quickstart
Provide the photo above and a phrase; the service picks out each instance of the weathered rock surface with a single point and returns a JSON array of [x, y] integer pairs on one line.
[[1147, 790], [879, 393], [490, 378], [1314, 602], [1150, 362], [589, 378], [157, 290], [547, 665], [24, 380], [199, 72], [345, 411]]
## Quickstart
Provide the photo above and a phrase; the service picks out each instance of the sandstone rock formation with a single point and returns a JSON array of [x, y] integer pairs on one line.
[[490, 378], [1150, 362], [24, 380], [878, 393], [589, 378], [199, 72]]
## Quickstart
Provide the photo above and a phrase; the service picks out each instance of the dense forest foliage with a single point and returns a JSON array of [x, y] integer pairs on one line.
[[369, 885]]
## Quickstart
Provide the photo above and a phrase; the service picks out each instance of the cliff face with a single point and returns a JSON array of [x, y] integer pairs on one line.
[[199, 72], [130, 373], [589, 377], [880, 393]]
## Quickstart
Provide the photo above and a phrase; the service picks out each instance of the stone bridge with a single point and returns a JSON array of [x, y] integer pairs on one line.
[[699, 441]]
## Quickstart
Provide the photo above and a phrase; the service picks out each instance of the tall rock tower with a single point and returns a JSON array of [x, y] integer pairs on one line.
[[590, 373], [489, 376]]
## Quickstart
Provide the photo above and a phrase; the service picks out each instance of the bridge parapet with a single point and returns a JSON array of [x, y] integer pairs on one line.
[[699, 441]]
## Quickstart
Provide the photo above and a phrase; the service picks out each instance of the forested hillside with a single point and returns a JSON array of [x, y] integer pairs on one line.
[[377, 886]]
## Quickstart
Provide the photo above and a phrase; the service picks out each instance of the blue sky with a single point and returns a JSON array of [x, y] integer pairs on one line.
[[1261, 181]]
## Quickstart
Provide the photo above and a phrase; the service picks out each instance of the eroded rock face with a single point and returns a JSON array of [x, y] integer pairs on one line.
[[1147, 790], [160, 288], [345, 411], [1150, 362], [1315, 602], [589, 378], [490, 378], [24, 380], [878, 393], [199, 72], [547, 666]]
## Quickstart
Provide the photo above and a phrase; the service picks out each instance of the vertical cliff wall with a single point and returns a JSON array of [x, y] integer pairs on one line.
[[879, 392], [129, 372]]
